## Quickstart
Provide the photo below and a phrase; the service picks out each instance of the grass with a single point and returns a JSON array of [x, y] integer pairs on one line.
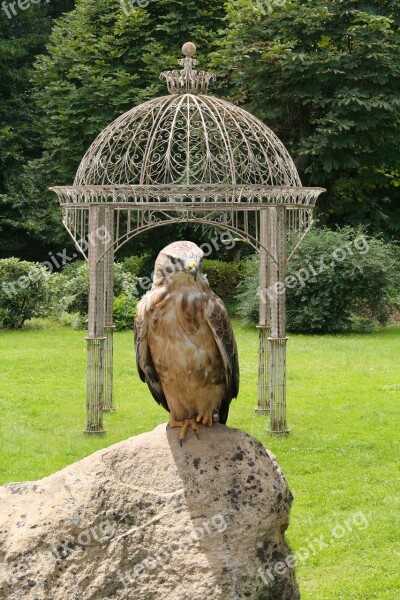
[[341, 459]]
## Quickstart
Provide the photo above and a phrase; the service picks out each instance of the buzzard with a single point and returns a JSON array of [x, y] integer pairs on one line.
[[185, 347]]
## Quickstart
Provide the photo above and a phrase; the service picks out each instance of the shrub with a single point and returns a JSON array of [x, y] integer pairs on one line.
[[124, 312], [23, 292], [59, 301], [224, 277], [74, 320], [247, 292], [71, 290], [339, 275], [135, 265]]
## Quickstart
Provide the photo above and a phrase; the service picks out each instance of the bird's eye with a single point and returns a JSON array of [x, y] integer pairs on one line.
[[176, 261]]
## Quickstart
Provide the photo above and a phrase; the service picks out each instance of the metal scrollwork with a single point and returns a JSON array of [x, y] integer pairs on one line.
[[188, 157]]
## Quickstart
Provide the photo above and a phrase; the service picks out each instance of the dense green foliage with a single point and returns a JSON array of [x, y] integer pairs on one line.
[[124, 312], [102, 59], [70, 295], [23, 292], [135, 265], [224, 277], [65, 295], [326, 77], [28, 290], [22, 37], [338, 280]]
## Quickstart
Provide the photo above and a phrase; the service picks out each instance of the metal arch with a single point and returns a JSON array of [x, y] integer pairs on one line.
[[124, 239], [299, 223], [297, 246], [188, 215], [134, 233]]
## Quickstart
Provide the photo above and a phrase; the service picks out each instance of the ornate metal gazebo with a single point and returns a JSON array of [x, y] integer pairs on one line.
[[188, 157]]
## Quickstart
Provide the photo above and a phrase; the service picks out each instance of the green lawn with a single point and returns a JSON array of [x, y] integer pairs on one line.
[[341, 459]]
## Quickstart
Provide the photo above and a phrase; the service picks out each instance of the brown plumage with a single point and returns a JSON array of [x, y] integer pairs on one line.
[[185, 347]]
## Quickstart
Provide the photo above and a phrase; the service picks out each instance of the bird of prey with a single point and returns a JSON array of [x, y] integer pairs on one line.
[[185, 347]]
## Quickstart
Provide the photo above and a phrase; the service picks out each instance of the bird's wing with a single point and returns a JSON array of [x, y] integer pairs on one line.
[[220, 325], [144, 360]]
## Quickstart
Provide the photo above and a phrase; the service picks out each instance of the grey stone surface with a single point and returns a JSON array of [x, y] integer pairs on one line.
[[146, 519]]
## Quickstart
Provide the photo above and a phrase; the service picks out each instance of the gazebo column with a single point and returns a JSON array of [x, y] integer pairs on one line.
[[109, 312], [263, 406], [277, 340], [95, 339]]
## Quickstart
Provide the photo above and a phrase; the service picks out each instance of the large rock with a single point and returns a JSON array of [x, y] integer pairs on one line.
[[146, 519]]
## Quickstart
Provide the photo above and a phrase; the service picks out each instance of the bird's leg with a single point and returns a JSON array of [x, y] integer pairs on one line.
[[188, 423], [205, 420], [185, 426]]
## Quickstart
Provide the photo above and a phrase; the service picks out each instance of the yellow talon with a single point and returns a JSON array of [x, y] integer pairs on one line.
[[174, 424], [191, 424], [205, 420], [208, 421], [185, 427]]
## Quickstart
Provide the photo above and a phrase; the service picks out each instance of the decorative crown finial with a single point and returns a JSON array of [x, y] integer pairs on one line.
[[188, 81], [189, 49]]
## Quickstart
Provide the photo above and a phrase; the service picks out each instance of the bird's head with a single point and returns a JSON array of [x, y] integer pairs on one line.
[[179, 259]]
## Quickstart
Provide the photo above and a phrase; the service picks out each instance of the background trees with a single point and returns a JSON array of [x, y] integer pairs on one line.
[[102, 59], [324, 75], [21, 39]]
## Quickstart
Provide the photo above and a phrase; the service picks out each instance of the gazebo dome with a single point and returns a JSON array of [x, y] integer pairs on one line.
[[187, 147], [187, 140]]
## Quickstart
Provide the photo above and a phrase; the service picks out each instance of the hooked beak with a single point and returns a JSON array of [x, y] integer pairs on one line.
[[193, 269]]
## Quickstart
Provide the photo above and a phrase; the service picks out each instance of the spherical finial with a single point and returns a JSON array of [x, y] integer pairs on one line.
[[189, 49]]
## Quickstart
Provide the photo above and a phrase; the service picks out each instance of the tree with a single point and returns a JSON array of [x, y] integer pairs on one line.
[[326, 77], [22, 36], [102, 59]]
